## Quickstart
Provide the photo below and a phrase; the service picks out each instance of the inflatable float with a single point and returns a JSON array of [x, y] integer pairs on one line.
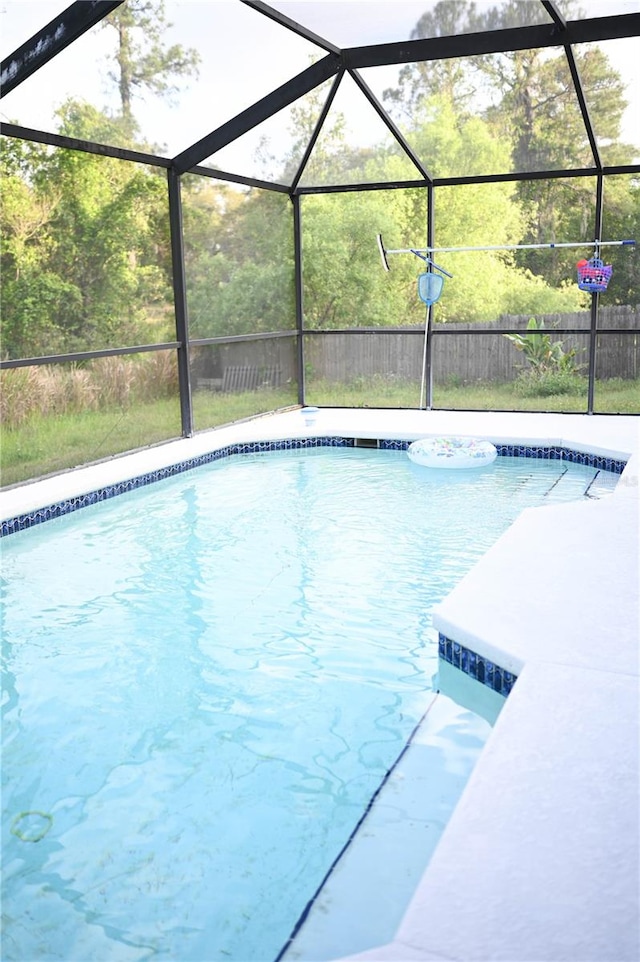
[[451, 452]]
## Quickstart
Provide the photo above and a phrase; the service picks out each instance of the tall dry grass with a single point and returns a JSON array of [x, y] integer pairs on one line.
[[48, 390]]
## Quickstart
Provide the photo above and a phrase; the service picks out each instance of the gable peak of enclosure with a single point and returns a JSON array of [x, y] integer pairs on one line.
[[316, 96]]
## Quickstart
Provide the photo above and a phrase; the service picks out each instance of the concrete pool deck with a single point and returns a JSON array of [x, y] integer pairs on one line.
[[540, 861]]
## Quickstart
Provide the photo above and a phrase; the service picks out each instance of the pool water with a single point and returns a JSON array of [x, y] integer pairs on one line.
[[206, 681]]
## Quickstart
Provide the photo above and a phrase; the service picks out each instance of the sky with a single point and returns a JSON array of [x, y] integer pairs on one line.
[[244, 56], [243, 53]]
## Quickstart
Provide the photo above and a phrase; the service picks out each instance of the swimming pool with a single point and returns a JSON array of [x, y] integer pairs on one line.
[[253, 639]]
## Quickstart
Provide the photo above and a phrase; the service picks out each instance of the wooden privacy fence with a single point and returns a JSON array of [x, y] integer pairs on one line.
[[457, 354], [459, 351]]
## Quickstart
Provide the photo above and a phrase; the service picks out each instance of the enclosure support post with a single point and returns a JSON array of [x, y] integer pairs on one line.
[[180, 301], [429, 340], [593, 331], [297, 252]]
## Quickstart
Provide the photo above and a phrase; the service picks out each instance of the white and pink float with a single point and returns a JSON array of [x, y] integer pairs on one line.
[[452, 452]]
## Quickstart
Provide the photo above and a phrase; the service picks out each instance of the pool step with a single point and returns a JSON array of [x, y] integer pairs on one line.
[[597, 484], [603, 485], [363, 899]]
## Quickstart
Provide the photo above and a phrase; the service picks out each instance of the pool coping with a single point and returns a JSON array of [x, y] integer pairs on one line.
[[493, 884], [532, 856], [57, 509]]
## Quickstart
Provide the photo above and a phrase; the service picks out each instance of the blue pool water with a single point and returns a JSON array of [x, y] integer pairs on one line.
[[207, 680]]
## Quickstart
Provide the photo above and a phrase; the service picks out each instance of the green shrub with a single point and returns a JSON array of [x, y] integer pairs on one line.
[[551, 369], [548, 383]]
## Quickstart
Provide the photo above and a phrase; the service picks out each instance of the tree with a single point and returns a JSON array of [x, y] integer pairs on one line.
[[33, 296], [529, 100], [110, 237], [621, 221], [86, 253], [85, 240], [458, 79], [142, 61], [344, 283], [238, 260]]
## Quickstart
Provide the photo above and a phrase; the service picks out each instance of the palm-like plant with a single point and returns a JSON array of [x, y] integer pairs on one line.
[[543, 354]]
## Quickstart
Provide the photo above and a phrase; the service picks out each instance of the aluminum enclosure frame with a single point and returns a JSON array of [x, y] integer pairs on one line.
[[81, 16]]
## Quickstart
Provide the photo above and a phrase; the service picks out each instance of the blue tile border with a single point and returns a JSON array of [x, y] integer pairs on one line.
[[615, 465], [551, 453], [476, 666], [385, 445], [60, 508]]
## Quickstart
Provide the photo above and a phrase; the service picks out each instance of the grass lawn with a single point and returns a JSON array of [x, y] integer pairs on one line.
[[46, 445], [611, 397]]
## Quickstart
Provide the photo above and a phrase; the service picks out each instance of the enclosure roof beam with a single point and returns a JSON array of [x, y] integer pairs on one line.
[[351, 188], [231, 178], [316, 131], [283, 96], [474, 179], [50, 40], [290, 24], [525, 175], [386, 119], [492, 41], [561, 23], [123, 153], [554, 13], [87, 146], [582, 102]]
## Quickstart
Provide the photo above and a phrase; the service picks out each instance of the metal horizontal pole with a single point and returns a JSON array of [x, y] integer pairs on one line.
[[472, 330], [443, 329], [86, 355], [237, 338]]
